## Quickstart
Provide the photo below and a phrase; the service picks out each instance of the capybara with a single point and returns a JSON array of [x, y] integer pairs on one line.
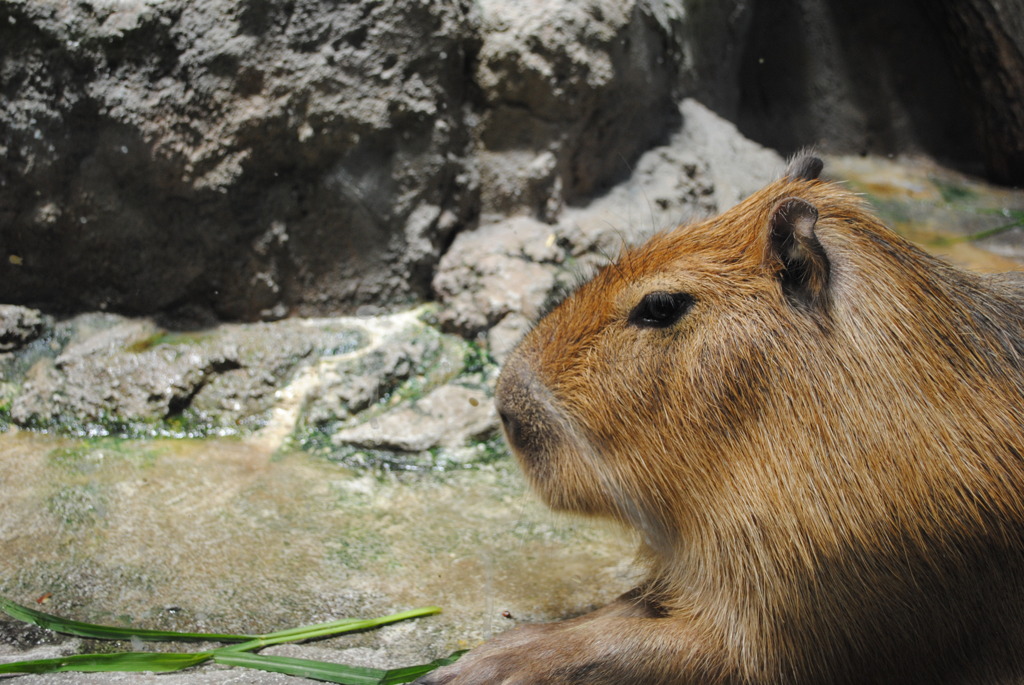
[[817, 431]]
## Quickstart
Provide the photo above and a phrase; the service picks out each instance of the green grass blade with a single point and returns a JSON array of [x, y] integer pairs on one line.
[[304, 668], [411, 673], [69, 627], [234, 655], [95, 663], [347, 625], [328, 672]]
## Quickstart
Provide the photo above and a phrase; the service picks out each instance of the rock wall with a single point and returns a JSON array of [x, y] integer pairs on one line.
[[247, 159], [258, 159]]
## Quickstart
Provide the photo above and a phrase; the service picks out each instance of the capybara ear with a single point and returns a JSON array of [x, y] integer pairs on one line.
[[804, 167], [793, 245]]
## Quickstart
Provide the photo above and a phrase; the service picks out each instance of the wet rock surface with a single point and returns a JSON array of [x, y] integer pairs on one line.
[[227, 535], [390, 391], [447, 407], [974, 224], [114, 374]]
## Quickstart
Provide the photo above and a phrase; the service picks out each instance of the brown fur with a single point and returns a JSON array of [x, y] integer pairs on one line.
[[823, 457]]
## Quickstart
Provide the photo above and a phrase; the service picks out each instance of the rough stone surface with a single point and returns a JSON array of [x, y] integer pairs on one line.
[[114, 372], [400, 351], [504, 267], [19, 326], [737, 166], [506, 334], [292, 381], [449, 416], [561, 82], [255, 159]]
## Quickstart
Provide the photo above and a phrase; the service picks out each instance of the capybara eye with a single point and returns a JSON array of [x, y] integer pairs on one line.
[[660, 309]]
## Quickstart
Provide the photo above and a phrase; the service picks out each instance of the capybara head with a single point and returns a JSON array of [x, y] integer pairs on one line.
[[790, 378]]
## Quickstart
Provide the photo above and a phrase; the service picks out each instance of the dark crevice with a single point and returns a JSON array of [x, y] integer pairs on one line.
[[179, 403]]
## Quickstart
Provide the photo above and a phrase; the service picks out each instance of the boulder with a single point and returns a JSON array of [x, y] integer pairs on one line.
[[450, 416], [504, 267], [573, 92]]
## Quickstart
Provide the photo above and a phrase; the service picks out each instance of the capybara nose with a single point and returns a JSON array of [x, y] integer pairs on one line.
[[524, 406], [513, 427], [510, 397]]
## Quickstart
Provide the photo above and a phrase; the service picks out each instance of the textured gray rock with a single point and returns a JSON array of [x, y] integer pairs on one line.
[[102, 376], [400, 350], [506, 334], [19, 326], [118, 374], [449, 416], [296, 382], [736, 165], [562, 84], [500, 268], [254, 159]]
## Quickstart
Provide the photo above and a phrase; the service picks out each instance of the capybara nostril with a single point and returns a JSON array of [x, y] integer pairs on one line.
[[507, 396], [512, 427]]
